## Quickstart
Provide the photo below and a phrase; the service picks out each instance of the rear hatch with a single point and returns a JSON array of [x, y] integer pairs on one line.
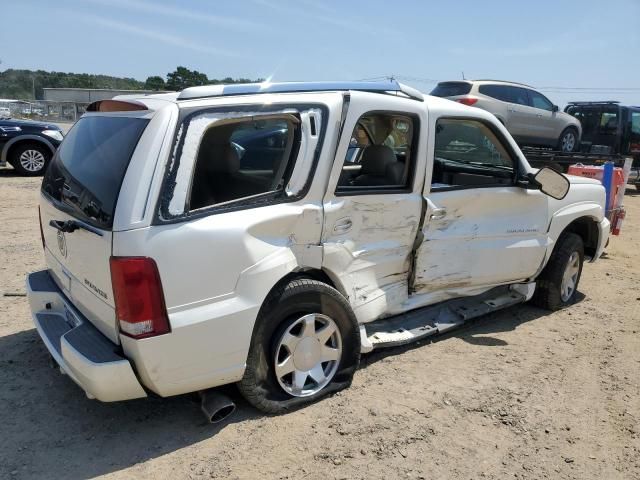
[[79, 195]]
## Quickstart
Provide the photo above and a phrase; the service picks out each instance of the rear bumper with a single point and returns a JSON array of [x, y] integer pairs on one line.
[[82, 352]]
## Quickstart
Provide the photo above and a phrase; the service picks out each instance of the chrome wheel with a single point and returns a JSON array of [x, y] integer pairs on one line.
[[568, 142], [307, 355], [570, 277], [32, 160]]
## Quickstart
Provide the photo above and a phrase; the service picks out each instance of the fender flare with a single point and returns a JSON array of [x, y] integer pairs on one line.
[[565, 217], [36, 138]]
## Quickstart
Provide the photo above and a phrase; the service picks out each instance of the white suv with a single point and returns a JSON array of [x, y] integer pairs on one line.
[[530, 117], [267, 235]]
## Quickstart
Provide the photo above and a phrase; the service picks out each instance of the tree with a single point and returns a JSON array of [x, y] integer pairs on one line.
[[182, 78], [155, 83]]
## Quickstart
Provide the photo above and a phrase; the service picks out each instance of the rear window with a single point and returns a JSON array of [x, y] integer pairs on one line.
[[451, 89], [87, 171]]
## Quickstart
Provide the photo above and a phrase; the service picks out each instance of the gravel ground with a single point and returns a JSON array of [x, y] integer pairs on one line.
[[519, 394]]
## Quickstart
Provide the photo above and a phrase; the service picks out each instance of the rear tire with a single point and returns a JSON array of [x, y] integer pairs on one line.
[[568, 141], [288, 344], [557, 285], [30, 159]]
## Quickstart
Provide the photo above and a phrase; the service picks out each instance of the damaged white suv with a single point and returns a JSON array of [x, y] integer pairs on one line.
[[267, 235]]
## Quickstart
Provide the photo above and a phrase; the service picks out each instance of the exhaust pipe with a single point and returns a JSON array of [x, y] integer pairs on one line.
[[216, 406]]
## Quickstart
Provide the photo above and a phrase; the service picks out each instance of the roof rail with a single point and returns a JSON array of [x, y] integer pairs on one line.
[[601, 102], [388, 87], [500, 81]]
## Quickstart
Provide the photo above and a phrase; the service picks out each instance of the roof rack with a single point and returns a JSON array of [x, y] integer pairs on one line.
[[500, 81], [388, 87], [602, 102]]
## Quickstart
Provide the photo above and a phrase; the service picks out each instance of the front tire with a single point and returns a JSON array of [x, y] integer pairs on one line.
[[30, 159], [305, 345], [557, 285], [568, 141]]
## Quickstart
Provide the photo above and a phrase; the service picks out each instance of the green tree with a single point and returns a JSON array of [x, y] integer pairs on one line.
[[182, 78], [155, 83]]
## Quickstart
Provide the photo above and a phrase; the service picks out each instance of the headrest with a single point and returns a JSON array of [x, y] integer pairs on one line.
[[375, 159], [225, 159]]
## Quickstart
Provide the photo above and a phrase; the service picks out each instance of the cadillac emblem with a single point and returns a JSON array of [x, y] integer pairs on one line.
[[62, 243]]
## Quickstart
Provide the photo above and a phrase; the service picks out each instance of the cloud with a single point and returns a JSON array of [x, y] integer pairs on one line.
[[172, 12], [156, 35], [326, 15]]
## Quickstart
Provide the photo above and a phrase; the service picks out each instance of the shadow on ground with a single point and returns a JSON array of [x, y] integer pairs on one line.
[[51, 430]]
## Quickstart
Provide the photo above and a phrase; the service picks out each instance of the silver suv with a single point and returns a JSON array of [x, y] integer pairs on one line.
[[530, 117]]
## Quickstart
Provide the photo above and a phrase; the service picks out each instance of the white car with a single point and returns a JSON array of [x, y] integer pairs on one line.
[[530, 117], [268, 235], [5, 112]]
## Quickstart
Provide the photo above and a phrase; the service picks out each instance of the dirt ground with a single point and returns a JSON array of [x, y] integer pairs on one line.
[[520, 394]]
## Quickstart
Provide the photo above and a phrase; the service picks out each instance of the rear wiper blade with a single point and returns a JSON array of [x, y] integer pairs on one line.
[[71, 226]]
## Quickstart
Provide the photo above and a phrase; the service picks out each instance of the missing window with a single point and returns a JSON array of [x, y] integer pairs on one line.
[[240, 159]]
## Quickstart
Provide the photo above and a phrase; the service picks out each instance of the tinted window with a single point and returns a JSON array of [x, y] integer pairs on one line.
[[379, 153], [518, 95], [468, 153], [88, 169], [242, 159], [499, 92], [540, 101], [451, 89], [635, 122]]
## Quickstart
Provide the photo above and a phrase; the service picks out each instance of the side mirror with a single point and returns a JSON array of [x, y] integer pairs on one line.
[[555, 108], [552, 183]]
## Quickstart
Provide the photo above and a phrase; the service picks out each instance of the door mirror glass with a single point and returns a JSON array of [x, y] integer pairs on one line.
[[554, 108], [552, 183]]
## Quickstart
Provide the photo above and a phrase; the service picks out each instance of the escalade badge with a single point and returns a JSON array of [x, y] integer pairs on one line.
[[62, 243]]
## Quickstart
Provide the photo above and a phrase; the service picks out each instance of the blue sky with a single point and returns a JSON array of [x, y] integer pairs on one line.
[[588, 44]]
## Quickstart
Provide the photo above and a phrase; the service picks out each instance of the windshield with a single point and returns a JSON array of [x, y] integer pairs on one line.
[[87, 171]]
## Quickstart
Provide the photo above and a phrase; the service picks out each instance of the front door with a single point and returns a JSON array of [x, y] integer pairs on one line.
[[373, 203], [480, 230]]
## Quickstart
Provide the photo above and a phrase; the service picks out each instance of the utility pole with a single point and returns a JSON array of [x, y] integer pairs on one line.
[[33, 86]]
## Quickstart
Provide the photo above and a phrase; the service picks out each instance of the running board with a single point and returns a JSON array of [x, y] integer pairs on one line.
[[424, 322]]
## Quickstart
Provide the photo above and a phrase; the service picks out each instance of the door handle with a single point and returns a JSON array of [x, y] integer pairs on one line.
[[343, 225], [538, 114], [438, 214]]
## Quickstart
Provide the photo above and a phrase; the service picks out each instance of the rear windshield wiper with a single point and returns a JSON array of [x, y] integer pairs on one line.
[[71, 226]]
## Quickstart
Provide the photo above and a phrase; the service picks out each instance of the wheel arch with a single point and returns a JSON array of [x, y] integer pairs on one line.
[[21, 140], [585, 226]]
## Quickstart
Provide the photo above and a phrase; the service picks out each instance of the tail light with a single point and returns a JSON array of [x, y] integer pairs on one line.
[[467, 101], [40, 222], [137, 290]]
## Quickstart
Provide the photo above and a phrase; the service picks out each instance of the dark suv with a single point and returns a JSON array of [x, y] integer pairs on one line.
[[28, 146], [608, 128]]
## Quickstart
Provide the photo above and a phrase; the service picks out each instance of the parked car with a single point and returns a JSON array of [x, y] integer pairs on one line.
[[530, 117], [5, 112], [173, 266], [608, 127], [28, 146]]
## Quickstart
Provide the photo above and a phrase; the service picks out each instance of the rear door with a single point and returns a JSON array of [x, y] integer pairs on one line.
[[373, 203], [79, 195]]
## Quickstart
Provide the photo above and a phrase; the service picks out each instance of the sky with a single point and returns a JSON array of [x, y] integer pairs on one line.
[[570, 49]]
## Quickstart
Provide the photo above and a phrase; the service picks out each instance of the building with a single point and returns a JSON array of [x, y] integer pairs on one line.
[[87, 95]]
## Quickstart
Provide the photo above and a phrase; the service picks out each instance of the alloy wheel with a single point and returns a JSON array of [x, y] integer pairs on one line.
[[568, 142], [32, 160], [307, 355], [570, 277]]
